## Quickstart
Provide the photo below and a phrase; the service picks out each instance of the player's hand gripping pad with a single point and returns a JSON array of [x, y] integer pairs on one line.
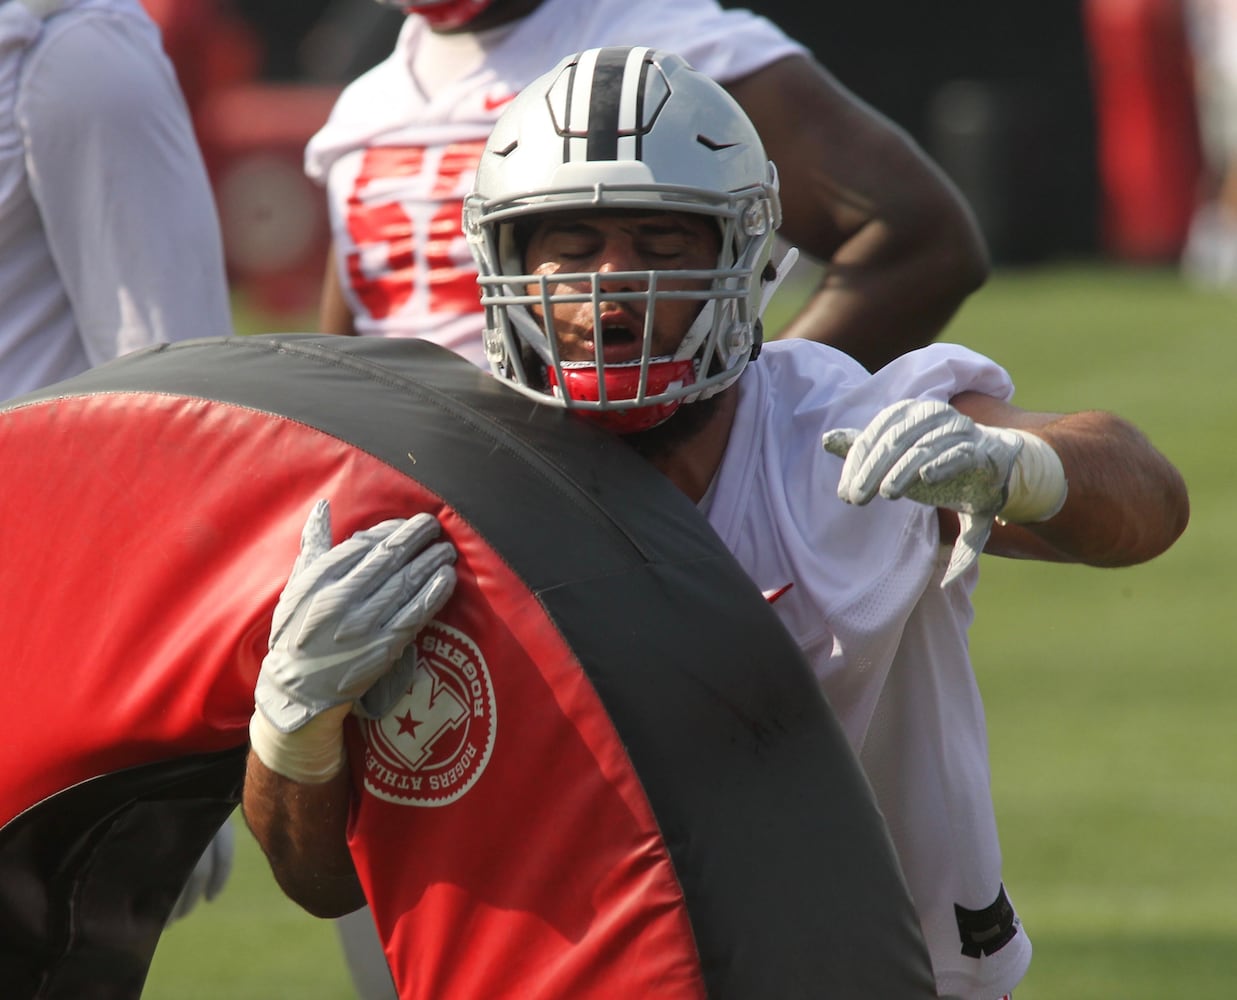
[[613, 776]]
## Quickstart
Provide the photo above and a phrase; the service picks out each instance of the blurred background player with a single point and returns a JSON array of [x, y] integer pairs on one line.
[[398, 153], [1210, 253], [109, 240]]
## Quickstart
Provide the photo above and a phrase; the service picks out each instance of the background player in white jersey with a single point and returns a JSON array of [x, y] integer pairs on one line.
[[109, 239], [399, 150], [1210, 252], [583, 205]]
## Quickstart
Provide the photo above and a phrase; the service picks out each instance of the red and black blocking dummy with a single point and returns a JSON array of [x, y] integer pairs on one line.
[[613, 775]]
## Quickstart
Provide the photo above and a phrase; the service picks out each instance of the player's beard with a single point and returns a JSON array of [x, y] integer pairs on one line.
[[670, 435]]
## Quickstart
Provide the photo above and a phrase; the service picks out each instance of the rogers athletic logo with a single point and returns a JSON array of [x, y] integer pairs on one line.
[[433, 745]]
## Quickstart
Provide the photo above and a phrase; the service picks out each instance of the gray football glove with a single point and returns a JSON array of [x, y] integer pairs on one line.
[[210, 873], [929, 452], [346, 616]]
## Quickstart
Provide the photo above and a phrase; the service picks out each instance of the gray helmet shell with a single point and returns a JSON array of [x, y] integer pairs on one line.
[[624, 128]]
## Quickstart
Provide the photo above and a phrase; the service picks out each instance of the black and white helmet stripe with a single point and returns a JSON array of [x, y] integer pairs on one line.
[[607, 102]]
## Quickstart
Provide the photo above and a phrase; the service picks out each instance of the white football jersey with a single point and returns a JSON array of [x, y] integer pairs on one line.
[[109, 240], [886, 642], [401, 146]]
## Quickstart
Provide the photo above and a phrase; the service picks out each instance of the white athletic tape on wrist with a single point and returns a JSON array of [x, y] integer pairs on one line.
[[311, 755], [1037, 485]]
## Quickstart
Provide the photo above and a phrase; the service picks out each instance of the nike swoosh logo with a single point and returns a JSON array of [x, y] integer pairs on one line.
[[772, 595], [492, 103]]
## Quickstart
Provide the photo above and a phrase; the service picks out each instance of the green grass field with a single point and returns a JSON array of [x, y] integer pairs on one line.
[[1110, 694]]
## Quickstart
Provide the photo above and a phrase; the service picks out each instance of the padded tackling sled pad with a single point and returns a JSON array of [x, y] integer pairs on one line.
[[613, 775]]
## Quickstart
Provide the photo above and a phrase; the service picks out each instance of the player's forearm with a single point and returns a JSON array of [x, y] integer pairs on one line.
[[877, 301], [1125, 504], [901, 244], [301, 829], [334, 314]]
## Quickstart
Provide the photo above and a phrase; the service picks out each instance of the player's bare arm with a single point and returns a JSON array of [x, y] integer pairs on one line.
[[1084, 487], [334, 314], [902, 247], [301, 830], [1125, 503], [339, 643]]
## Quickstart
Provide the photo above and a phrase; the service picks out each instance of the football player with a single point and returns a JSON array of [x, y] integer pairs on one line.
[[622, 222]]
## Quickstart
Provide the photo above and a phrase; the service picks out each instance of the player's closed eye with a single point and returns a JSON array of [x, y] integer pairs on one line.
[[665, 250]]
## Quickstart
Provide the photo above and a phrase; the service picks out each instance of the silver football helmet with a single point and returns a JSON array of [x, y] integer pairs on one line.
[[623, 128]]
